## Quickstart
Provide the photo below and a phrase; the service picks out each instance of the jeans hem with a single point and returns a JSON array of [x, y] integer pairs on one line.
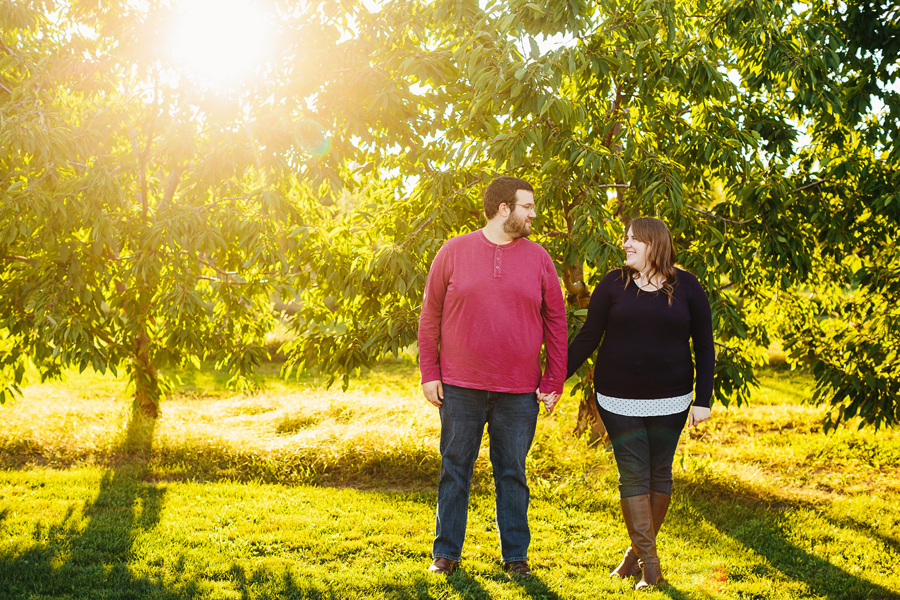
[[506, 561], [630, 492], [436, 555]]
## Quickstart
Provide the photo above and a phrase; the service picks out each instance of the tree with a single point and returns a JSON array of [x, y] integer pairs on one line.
[[851, 336], [143, 224], [763, 132], [694, 112]]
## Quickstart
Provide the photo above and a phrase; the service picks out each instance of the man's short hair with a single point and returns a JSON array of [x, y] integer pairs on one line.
[[502, 190]]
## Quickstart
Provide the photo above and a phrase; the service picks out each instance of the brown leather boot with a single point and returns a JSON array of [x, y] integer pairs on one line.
[[638, 516], [629, 567], [651, 575], [659, 506]]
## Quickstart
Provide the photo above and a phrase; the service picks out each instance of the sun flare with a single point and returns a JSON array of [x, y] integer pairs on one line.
[[221, 41]]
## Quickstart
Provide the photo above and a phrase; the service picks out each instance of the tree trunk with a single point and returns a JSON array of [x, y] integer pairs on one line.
[[588, 415], [146, 379]]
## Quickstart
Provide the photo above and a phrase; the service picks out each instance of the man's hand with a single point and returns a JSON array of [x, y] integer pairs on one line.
[[698, 414], [549, 400], [434, 391]]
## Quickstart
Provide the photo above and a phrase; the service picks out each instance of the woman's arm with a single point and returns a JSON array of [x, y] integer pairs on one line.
[[704, 349], [594, 326]]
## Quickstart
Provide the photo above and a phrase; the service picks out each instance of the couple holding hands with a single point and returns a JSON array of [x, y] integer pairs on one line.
[[491, 302]]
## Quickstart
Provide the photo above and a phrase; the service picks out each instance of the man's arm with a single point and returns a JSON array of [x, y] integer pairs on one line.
[[553, 313], [430, 328]]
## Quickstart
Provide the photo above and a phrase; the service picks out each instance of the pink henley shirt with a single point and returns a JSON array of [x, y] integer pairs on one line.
[[487, 310]]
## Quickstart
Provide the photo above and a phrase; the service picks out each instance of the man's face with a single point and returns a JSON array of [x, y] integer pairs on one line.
[[518, 223]]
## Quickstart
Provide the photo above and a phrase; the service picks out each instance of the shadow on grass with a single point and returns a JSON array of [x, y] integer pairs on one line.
[[747, 517], [673, 592], [421, 587], [265, 582], [535, 588], [866, 529], [69, 559], [467, 586]]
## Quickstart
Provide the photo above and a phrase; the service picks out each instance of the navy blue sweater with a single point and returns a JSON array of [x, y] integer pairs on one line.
[[645, 351]]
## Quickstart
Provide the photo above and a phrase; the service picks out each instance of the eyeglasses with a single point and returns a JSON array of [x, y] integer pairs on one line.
[[527, 207]]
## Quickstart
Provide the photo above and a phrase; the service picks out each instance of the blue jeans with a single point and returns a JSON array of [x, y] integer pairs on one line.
[[644, 448], [511, 421]]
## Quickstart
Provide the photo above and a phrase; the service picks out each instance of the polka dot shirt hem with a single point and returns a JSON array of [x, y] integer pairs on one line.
[[645, 408]]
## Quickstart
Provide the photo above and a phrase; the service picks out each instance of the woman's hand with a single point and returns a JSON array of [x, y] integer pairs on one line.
[[548, 400], [698, 413]]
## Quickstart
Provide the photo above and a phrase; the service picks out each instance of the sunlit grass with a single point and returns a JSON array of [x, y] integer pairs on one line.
[[300, 491], [289, 431]]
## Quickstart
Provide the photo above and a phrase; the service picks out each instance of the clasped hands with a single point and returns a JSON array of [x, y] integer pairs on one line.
[[549, 400], [434, 393]]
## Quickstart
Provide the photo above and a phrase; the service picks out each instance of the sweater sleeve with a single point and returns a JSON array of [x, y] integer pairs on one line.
[[587, 340], [702, 338], [430, 317], [553, 314]]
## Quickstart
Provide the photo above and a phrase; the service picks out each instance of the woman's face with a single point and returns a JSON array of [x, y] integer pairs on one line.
[[635, 252]]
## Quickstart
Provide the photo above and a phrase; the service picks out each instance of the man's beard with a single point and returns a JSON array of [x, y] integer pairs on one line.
[[516, 227]]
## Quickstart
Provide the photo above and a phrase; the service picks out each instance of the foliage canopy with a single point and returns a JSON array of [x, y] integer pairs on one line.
[[764, 133]]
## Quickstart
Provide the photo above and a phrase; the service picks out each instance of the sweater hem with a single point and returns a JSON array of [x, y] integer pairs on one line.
[[489, 387], [654, 395]]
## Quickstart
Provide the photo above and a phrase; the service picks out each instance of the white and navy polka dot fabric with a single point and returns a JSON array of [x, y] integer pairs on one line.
[[645, 408]]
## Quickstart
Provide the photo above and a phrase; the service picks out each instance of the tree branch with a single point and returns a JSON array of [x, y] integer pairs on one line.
[[807, 186], [143, 156], [715, 216], [18, 258], [225, 281]]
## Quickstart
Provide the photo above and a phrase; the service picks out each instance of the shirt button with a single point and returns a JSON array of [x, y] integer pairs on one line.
[[498, 266]]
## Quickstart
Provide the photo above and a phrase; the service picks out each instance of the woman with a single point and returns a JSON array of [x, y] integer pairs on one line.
[[647, 314]]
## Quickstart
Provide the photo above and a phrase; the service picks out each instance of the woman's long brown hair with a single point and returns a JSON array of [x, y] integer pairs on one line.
[[660, 254]]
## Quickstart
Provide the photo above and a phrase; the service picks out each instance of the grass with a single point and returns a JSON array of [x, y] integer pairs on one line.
[[302, 492]]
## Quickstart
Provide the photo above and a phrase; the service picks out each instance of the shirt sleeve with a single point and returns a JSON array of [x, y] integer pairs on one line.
[[430, 317], [553, 313], [587, 340], [704, 348]]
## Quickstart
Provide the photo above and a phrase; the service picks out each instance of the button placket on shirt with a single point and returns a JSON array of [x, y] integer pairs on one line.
[[498, 254]]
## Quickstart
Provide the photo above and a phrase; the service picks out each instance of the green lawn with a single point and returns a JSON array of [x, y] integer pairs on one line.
[[302, 492]]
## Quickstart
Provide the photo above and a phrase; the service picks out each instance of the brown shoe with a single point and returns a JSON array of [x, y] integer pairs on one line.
[[517, 567], [443, 566]]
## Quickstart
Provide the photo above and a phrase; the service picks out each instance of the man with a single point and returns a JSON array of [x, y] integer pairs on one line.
[[491, 301]]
